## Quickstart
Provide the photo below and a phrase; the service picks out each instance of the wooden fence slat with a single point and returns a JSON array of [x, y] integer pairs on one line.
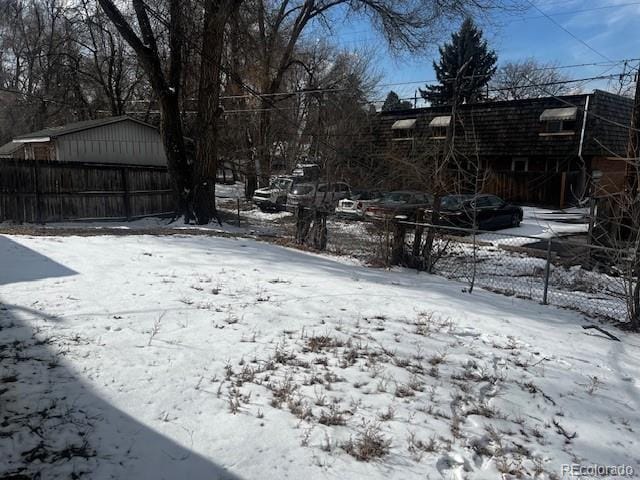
[[52, 191]]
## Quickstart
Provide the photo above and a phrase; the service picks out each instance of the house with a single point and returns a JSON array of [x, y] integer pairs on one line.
[[115, 140], [12, 150], [539, 151], [111, 168]]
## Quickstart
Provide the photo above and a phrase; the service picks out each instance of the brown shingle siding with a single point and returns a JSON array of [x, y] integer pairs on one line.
[[512, 128]]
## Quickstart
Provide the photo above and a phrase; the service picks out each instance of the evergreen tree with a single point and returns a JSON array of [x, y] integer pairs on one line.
[[467, 47], [393, 102]]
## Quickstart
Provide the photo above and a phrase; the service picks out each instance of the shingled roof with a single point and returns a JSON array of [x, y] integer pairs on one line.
[[8, 149], [53, 132], [513, 128]]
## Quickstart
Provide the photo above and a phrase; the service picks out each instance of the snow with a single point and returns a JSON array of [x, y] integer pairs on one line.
[[235, 190], [543, 224], [204, 357]]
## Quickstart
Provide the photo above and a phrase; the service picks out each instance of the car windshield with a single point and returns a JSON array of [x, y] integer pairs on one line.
[[397, 197], [453, 202], [302, 189], [282, 183], [364, 195]]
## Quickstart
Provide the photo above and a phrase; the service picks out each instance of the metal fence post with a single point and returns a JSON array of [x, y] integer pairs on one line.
[[238, 205], [547, 271]]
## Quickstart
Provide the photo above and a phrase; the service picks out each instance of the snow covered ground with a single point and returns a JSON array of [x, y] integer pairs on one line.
[[543, 224], [203, 357]]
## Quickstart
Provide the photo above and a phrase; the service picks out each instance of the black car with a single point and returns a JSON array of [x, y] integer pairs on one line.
[[491, 212]]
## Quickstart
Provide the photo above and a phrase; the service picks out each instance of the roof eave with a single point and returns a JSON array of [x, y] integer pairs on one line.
[[32, 140]]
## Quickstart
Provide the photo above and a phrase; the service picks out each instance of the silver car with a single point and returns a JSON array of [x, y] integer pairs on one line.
[[273, 197], [320, 195], [357, 203]]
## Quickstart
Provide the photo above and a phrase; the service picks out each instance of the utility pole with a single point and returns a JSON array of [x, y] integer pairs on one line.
[[633, 206], [632, 168]]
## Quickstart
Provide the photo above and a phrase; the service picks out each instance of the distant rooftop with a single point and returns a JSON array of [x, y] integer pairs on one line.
[[54, 132], [8, 149]]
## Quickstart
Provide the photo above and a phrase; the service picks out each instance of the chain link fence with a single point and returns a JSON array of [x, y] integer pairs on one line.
[[565, 272]]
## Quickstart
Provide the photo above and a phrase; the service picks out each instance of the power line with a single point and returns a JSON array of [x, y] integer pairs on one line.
[[523, 19], [612, 63], [252, 92], [371, 102], [595, 115], [568, 31], [583, 10]]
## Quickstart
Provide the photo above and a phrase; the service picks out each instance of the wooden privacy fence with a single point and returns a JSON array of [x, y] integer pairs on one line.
[[39, 191], [538, 188]]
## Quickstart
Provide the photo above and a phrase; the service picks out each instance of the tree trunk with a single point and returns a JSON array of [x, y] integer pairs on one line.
[[263, 165], [173, 141], [206, 165], [165, 85]]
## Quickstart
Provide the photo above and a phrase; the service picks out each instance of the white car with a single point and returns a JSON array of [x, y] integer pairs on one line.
[[274, 197], [355, 205]]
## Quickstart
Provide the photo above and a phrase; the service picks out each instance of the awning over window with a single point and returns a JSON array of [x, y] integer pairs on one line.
[[568, 113], [404, 124], [443, 121]]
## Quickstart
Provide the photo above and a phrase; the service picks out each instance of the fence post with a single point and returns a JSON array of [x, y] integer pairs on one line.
[[36, 173], [238, 209], [299, 225], [125, 186], [547, 271], [397, 248], [417, 240]]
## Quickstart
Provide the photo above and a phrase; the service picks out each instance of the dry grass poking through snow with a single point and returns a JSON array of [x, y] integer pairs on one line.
[[441, 394], [246, 354]]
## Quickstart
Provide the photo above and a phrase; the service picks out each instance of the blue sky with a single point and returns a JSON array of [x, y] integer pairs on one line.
[[608, 26]]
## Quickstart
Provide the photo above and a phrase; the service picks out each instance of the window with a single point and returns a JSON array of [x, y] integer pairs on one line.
[[482, 202], [558, 121], [439, 126], [453, 202], [403, 134], [302, 190], [399, 197], [403, 129], [495, 201], [520, 164]]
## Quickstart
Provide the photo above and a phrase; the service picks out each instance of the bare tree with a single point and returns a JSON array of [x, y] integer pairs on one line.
[[279, 26], [519, 79], [194, 182], [107, 60], [216, 16], [38, 63], [165, 79]]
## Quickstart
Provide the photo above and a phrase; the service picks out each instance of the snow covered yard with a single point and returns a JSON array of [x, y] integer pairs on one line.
[[203, 357]]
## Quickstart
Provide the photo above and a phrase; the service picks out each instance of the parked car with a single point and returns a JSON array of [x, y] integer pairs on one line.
[[399, 204], [491, 212], [310, 172], [273, 197], [322, 195], [355, 205]]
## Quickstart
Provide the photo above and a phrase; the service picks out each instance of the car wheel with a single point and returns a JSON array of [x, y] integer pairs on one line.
[[515, 220]]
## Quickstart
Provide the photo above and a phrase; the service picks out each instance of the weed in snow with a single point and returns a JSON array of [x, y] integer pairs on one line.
[[369, 444]]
